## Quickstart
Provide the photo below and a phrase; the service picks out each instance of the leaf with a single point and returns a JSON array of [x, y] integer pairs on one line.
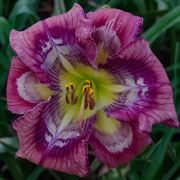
[[59, 7], [172, 170], [171, 68], [1, 178], [1, 7], [20, 13], [4, 31], [157, 156], [13, 167], [95, 165], [10, 143], [4, 62], [163, 24], [36, 173], [175, 71]]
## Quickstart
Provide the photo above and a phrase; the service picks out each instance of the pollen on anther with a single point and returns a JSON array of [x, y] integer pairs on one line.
[[72, 85], [90, 91], [87, 82], [84, 88]]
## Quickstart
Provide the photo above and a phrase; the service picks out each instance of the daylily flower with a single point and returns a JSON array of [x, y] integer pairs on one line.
[[82, 78]]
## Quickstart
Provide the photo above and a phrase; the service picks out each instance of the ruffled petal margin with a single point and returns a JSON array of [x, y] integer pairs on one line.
[[24, 90], [44, 43], [114, 29], [115, 142], [43, 143], [146, 96]]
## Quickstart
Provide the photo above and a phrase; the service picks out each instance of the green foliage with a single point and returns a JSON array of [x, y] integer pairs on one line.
[[160, 160]]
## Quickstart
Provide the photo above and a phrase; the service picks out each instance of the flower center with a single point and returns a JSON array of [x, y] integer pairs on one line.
[[87, 92]]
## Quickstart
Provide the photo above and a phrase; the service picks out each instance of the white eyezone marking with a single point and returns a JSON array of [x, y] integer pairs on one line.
[[26, 87], [144, 90], [117, 141], [52, 128], [48, 137], [20, 86], [57, 41], [61, 144], [47, 47], [140, 81]]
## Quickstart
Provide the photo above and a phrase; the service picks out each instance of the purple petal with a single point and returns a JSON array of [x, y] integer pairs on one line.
[[23, 88], [147, 97], [114, 29], [117, 144], [43, 143], [44, 43]]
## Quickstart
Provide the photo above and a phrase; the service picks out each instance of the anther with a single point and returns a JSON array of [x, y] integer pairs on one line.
[[67, 93], [67, 88], [90, 92], [87, 91], [88, 82], [85, 88], [72, 87]]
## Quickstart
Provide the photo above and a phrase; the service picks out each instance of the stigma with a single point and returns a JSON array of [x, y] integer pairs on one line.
[[87, 94]]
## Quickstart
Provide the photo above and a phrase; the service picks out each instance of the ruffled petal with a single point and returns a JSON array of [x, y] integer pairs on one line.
[[24, 90], [114, 29], [145, 94], [115, 142], [47, 140], [44, 43]]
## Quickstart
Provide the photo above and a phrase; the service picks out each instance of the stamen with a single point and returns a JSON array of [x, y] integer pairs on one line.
[[85, 99], [80, 117], [67, 88], [67, 93], [84, 88], [88, 82], [67, 98], [91, 103], [72, 97], [72, 86], [75, 99], [88, 92]]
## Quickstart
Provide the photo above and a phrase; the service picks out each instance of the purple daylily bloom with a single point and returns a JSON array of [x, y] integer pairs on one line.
[[82, 78]]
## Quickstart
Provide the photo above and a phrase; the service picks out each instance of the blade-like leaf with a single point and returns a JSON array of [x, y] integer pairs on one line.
[[4, 30], [36, 173], [59, 7], [157, 156], [163, 24], [172, 170], [20, 13], [13, 167]]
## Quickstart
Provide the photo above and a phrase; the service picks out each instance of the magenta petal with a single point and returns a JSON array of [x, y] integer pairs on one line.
[[42, 143], [119, 147], [114, 28], [44, 43], [19, 99], [147, 97]]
